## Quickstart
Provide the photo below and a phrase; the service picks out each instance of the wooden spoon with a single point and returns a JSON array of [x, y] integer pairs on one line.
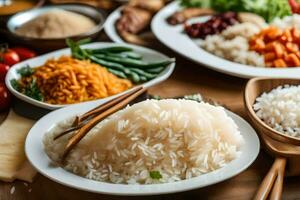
[[281, 145]]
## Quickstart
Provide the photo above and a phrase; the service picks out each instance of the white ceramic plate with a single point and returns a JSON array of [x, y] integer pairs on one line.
[[175, 38], [110, 26], [39, 159], [148, 55], [112, 33]]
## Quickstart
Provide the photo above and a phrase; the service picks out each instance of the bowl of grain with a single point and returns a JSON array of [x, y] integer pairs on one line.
[[46, 28], [273, 107]]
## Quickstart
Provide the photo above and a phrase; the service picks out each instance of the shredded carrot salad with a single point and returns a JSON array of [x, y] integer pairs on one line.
[[67, 80]]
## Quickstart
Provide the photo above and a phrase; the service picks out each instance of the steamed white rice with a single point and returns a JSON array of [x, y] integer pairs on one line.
[[287, 22], [280, 109], [233, 44], [179, 139]]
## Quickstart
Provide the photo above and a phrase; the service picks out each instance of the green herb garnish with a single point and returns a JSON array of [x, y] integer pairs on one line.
[[15, 84], [33, 91], [155, 175], [25, 71]]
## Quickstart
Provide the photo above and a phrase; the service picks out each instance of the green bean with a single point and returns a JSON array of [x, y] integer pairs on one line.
[[117, 73], [111, 65], [143, 78], [142, 73], [117, 49], [84, 41], [155, 70], [134, 77], [135, 63], [131, 55]]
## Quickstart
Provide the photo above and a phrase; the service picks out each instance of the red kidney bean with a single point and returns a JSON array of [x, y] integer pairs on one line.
[[215, 25]]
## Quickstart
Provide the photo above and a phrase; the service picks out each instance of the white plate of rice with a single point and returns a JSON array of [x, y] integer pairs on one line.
[[189, 144], [175, 38]]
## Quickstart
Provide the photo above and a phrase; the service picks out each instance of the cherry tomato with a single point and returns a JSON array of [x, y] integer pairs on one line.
[[295, 6], [24, 53], [4, 97], [10, 57], [3, 70]]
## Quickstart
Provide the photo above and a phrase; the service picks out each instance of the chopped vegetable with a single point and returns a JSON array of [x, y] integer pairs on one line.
[[33, 91], [279, 48], [295, 6], [15, 84], [268, 9], [25, 71], [121, 61], [155, 175]]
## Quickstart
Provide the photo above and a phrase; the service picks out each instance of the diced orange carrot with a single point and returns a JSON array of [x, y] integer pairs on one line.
[[283, 39], [269, 47], [293, 59], [270, 56], [292, 47], [269, 64], [274, 34], [288, 35], [280, 63], [279, 50]]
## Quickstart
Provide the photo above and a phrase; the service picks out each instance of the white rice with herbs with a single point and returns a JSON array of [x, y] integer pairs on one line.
[[280, 109], [155, 141]]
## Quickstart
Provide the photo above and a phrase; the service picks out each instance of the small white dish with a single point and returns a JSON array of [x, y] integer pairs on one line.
[[148, 55], [112, 33], [175, 38], [110, 26], [38, 158]]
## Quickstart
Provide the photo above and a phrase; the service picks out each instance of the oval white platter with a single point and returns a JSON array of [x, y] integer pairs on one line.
[[110, 26], [175, 38], [148, 55], [39, 159]]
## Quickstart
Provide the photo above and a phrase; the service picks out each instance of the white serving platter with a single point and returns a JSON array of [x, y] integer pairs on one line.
[[175, 38]]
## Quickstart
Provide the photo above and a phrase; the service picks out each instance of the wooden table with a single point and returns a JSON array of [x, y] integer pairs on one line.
[[188, 78]]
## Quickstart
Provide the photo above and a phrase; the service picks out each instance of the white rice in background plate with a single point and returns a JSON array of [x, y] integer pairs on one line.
[[233, 44], [177, 139], [287, 22], [280, 109]]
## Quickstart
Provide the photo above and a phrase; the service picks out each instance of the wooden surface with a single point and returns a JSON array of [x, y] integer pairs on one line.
[[188, 78]]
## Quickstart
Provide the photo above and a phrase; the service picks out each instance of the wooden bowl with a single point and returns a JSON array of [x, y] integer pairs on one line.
[[254, 88], [46, 45]]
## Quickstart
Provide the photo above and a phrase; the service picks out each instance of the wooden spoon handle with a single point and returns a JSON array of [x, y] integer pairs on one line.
[[267, 184], [105, 106], [277, 188]]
